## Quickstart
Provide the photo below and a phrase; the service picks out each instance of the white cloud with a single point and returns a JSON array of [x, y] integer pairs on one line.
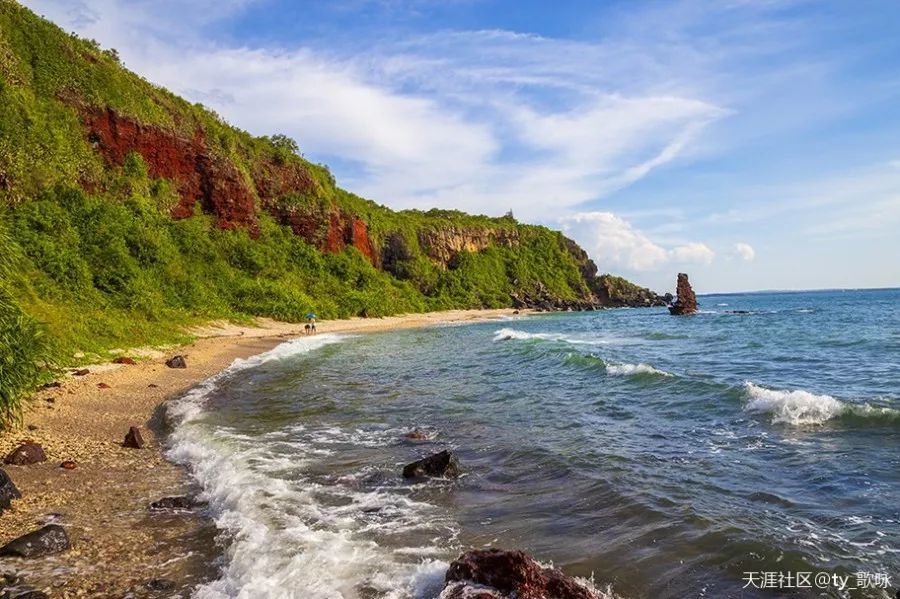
[[745, 251], [483, 121], [616, 244], [694, 252]]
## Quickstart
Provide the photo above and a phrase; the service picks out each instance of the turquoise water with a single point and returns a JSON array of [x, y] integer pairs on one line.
[[657, 456]]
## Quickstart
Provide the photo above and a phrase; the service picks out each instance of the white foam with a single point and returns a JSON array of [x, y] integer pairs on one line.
[[631, 369], [792, 407], [285, 538]]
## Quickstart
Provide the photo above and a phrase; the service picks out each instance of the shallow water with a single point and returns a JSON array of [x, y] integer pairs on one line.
[[659, 456]]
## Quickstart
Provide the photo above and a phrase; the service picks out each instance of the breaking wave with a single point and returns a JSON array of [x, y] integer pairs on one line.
[[288, 531], [800, 407], [631, 369]]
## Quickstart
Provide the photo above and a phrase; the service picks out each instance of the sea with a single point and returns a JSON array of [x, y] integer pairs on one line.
[[750, 450]]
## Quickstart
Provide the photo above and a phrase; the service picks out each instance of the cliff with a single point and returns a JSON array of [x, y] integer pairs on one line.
[[131, 212]]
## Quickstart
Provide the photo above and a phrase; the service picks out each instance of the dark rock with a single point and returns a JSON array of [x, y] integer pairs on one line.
[[416, 435], [180, 502], [44, 541], [24, 593], [133, 438], [152, 386], [443, 464], [8, 491], [32, 427], [511, 574], [176, 362], [53, 385], [160, 584], [68, 465], [50, 400], [81, 372], [26, 453], [104, 386], [124, 360], [687, 301]]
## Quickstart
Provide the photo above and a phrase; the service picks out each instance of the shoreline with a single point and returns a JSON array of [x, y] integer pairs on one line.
[[118, 546]]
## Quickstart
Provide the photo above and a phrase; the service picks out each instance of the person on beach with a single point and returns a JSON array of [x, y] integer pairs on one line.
[[311, 324]]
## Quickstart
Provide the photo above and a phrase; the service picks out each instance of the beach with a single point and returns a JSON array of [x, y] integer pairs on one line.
[[118, 545]]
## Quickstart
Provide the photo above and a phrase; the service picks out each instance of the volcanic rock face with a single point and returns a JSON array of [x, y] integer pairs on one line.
[[687, 301], [499, 574]]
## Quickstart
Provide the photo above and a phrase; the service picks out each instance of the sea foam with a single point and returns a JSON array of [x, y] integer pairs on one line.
[[632, 369]]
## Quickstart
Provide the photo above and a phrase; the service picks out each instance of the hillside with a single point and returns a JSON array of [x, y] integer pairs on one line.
[[127, 213]]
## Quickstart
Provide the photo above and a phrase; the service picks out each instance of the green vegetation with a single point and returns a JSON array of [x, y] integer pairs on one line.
[[90, 258]]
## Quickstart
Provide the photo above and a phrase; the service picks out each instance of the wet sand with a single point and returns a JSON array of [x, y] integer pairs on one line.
[[118, 545]]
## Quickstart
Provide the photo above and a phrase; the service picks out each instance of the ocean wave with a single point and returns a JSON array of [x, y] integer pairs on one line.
[[286, 531], [632, 369], [508, 334], [800, 407]]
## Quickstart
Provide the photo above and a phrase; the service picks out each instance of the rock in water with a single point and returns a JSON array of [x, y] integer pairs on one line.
[[133, 438], [687, 301], [443, 464], [180, 502], [26, 453], [176, 362], [8, 491], [43, 541], [498, 573]]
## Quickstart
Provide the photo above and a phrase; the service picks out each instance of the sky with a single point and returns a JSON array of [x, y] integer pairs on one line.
[[754, 144]]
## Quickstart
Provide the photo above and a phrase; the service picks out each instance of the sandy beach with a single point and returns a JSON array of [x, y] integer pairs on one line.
[[118, 545]]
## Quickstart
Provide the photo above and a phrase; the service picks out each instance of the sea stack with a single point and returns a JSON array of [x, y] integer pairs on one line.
[[686, 302]]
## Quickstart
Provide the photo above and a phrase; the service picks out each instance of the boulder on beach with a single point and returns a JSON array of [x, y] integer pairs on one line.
[[500, 574], [443, 464], [26, 453], [177, 362], [687, 301], [43, 541], [8, 491], [133, 438], [124, 360]]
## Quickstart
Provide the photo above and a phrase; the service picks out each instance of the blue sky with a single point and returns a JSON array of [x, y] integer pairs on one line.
[[753, 144]]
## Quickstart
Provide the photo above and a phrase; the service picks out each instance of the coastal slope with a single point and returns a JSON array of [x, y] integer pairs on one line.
[[128, 213]]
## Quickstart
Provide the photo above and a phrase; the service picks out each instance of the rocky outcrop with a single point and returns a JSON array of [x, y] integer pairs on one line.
[[499, 574], [617, 292], [440, 465], [8, 491], [26, 453], [445, 244], [44, 541], [687, 301], [201, 176]]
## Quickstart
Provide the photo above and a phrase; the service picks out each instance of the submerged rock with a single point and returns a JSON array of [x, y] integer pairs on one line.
[[8, 491], [180, 502], [177, 362], [160, 584], [26, 453], [416, 435], [687, 301], [43, 541], [443, 464], [133, 438], [499, 574]]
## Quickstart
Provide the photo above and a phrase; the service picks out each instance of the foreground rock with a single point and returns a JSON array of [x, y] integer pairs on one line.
[[26, 453], [499, 574], [8, 491], [443, 464], [176, 362], [44, 541], [687, 301], [133, 438]]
